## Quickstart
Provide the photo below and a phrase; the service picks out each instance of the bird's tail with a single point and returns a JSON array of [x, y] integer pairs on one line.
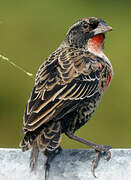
[[27, 142], [50, 137], [46, 139]]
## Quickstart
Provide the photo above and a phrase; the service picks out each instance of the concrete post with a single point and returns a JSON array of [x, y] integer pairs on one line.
[[69, 165]]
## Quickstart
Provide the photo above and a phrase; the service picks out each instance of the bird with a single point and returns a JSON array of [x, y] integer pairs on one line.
[[67, 90]]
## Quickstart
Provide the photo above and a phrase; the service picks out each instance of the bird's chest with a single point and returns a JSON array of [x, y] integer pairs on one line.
[[105, 77], [105, 70]]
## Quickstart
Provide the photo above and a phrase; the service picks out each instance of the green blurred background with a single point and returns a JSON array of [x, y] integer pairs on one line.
[[30, 30]]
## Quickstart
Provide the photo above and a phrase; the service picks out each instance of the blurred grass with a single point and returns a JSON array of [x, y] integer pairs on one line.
[[30, 31]]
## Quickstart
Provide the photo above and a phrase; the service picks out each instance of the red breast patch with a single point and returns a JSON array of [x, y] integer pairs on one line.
[[108, 79], [98, 39]]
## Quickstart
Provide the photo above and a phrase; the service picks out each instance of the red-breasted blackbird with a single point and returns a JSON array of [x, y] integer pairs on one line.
[[68, 87]]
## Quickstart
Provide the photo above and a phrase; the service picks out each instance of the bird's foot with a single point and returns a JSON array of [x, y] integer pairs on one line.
[[46, 168], [100, 149], [50, 155], [34, 159]]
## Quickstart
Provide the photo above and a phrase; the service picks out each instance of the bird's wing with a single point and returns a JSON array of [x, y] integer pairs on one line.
[[64, 79]]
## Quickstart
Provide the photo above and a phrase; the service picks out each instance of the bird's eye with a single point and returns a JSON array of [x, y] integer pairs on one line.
[[94, 25], [85, 25]]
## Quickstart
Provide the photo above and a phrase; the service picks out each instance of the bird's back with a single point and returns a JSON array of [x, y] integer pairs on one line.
[[68, 87]]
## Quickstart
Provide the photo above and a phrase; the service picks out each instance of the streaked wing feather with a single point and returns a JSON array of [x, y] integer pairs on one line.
[[59, 85]]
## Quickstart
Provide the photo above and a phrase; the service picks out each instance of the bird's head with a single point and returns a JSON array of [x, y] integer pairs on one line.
[[87, 33]]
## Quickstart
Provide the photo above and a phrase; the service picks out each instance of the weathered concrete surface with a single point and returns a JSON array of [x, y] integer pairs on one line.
[[69, 165]]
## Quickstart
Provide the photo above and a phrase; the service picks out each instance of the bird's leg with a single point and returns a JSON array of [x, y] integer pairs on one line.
[[34, 158], [50, 155], [46, 167], [95, 162], [98, 148]]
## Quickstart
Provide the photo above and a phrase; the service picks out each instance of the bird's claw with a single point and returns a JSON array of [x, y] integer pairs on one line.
[[108, 155], [95, 161]]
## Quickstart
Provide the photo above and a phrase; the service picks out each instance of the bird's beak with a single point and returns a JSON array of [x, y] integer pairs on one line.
[[102, 28]]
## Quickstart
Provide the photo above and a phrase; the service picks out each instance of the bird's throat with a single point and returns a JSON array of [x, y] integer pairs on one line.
[[95, 44]]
